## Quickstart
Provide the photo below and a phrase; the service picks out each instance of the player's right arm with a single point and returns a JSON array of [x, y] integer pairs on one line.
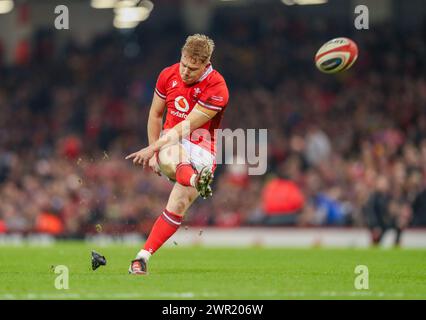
[[155, 118], [158, 105], [155, 123]]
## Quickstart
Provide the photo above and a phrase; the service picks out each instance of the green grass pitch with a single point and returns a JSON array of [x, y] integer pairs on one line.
[[27, 272]]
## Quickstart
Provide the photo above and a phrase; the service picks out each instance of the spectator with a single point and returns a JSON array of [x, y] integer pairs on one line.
[[282, 202], [318, 147], [419, 210], [381, 211]]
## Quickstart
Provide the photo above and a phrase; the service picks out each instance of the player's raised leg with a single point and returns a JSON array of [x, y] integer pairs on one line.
[[174, 162], [171, 159]]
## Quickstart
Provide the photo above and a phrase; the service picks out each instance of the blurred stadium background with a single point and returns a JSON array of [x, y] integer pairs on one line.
[[345, 151]]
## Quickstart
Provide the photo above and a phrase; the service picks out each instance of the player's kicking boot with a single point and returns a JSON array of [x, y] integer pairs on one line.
[[138, 266], [204, 179]]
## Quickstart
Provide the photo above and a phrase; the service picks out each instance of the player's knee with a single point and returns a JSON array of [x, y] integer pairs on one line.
[[169, 170], [169, 158], [166, 162]]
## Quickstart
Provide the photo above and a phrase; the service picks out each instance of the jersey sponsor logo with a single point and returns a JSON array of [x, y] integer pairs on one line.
[[178, 114], [174, 83], [181, 104]]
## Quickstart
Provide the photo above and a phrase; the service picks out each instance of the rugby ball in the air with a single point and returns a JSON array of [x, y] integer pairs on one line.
[[336, 55]]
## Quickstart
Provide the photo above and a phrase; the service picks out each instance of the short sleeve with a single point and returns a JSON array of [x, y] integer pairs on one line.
[[160, 87], [215, 97]]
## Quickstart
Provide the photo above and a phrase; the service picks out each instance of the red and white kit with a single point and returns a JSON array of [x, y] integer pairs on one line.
[[211, 92]]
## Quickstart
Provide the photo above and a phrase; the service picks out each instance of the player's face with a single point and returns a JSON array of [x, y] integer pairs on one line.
[[190, 69]]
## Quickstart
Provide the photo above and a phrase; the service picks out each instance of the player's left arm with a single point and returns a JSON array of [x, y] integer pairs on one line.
[[196, 118], [213, 100]]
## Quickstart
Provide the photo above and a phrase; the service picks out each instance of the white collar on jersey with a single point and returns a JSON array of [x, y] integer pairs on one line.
[[206, 73]]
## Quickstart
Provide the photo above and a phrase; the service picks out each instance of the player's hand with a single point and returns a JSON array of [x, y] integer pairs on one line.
[[153, 164], [142, 156]]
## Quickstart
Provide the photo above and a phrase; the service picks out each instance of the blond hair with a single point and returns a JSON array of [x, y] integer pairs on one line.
[[199, 47]]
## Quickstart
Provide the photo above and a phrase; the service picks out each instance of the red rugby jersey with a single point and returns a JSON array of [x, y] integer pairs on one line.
[[210, 91]]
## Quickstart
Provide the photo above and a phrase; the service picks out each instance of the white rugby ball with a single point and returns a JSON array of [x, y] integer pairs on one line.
[[336, 55]]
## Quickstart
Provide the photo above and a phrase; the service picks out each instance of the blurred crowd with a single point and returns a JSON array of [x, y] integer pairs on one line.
[[353, 144]]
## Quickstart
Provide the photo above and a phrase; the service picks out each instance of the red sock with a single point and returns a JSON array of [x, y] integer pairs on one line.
[[184, 173], [164, 227]]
